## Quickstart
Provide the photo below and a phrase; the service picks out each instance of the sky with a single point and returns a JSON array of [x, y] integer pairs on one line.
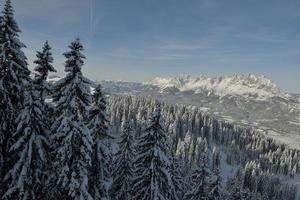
[[137, 40]]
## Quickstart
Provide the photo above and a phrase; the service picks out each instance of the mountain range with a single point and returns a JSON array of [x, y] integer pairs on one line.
[[247, 100]]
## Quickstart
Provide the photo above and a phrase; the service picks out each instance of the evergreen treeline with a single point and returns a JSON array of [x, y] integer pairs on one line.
[[62, 141], [189, 130], [201, 144]]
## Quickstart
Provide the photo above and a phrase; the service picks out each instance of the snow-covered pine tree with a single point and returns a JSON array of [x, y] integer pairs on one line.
[[44, 66], [216, 159], [99, 176], [42, 86], [152, 179], [215, 186], [27, 177], [199, 181], [14, 75], [121, 188], [234, 186], [177, 176], [72, 137]]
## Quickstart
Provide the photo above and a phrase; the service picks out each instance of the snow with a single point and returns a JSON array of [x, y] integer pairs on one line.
[[245, 85], [53, 79], [291, 140]]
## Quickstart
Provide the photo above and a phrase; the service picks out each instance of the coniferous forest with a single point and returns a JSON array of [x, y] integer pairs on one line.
[[68, 140]]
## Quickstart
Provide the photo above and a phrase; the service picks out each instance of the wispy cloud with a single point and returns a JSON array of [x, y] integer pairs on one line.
[[211, 36], [180, 46], [144, 54]]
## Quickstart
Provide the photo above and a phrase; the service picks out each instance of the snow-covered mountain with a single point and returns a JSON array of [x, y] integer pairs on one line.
[[247, 86], [243, 99]]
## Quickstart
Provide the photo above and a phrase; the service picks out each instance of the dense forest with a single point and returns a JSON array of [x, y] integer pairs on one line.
[[196, 140], [68, 140]]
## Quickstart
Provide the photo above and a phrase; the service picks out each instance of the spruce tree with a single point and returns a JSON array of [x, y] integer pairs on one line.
[[72, 137], [44, 66], [215, 188], [121, 188], [177, 176], [42, 86], [199, 181], [14, 75], [153, 164], [99, 176], [235, 186], [216, 159], [27, 177]]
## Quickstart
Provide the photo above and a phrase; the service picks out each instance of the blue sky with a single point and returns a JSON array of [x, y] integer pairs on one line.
[[136, 40]]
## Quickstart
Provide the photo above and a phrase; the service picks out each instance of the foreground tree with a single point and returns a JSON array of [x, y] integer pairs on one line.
[[121, 188], [73, 141], [44, 66], [42, 86], [153, 164], [14, 75], [27, 177], [99, 176]]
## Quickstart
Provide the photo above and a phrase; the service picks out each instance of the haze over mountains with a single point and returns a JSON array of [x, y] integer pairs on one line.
[[249, 100]]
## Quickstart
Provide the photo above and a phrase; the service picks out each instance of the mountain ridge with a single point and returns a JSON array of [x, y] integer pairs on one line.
[[245, 85]]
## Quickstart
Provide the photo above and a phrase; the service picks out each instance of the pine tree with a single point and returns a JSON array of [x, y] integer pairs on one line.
[[199, 181], [215, 188], [123, 169], [44, 66], [216, 159], [99, 177], [41, 71], [177, 176], [42, 86], [152, 166], [235, 186], [14, 75], [27, 177], [72, 137]]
